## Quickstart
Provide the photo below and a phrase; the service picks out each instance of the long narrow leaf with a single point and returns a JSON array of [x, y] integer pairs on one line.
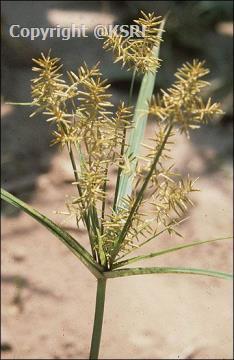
[[165, 251], [166, 270], [139, 121], [66, 238], [139, 197]]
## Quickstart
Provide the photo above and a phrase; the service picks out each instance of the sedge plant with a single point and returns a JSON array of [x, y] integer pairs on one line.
[[149, 198]]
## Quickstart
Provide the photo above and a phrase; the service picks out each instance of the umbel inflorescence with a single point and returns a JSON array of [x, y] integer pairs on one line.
[[96, 135]]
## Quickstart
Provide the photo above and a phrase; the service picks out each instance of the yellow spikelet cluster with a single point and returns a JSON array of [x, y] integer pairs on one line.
[[136, 53], [182, 104]]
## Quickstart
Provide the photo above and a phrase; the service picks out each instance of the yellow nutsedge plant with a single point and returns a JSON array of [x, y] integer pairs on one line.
[[149, 197]]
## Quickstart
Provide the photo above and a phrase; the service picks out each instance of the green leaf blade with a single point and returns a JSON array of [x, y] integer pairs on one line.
[[62, 235], [166, 270], [139, 120], [166, 251], [139, 197]]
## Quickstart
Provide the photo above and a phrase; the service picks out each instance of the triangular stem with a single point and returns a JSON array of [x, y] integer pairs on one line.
[[98, 319]]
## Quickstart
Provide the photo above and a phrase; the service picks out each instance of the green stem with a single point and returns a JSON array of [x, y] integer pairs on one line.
[[131, 88], [139, 198], [104, 200], [86, 220], [98, 319]]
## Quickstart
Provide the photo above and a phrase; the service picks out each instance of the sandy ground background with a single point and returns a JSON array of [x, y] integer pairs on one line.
[[48, 296]]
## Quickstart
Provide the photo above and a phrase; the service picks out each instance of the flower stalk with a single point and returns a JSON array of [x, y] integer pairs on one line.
[[98, 318]]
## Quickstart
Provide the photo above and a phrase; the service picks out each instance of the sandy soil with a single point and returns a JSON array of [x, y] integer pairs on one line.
[[48, 296]]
